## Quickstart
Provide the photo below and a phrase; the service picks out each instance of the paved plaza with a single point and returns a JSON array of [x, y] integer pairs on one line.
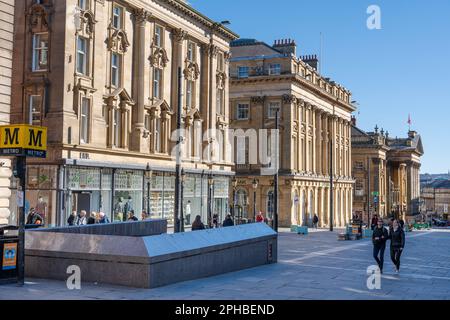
[[316, 266]]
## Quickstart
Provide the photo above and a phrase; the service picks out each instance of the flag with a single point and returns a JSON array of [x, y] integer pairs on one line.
[[409, 119]]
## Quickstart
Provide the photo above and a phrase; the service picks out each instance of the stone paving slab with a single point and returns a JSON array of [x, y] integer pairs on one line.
[[316, 266]]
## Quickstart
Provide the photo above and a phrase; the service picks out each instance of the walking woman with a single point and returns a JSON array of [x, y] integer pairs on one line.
[[379, 238], [397, 237]]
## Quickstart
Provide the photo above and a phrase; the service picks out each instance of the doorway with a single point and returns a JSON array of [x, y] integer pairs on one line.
[[81, 201]]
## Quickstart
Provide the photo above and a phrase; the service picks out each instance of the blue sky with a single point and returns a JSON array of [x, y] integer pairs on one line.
[[402, 68]]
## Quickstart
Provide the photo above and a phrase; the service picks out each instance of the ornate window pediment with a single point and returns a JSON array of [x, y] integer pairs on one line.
[[191, 71], [118, 41], [221, 79], [158, 58], [161, 107], [86, 22], [121, 95], [38, 18], [193, 115]]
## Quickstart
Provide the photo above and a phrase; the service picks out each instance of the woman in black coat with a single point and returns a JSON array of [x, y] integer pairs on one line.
[[198, 224], [397, 237]]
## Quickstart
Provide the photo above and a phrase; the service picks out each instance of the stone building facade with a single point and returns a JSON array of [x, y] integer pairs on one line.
[[394, 166], [102, 75], [6, 57], [314, 112], [436, 198]]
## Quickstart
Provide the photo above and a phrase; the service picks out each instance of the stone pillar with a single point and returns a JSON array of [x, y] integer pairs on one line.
[[313, 140], [5, 192], [178, 37], [138, 143], [325, 145], [319, 142], [322, 207]]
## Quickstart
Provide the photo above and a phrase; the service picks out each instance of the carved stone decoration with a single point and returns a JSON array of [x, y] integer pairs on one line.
[[221, 79], [118, 41], [258, 99], [210, 49], [141, 15], [227, 56], [87, 22], [289, 98], [191, 71], [158, 58], [38, 17], [179, 34]]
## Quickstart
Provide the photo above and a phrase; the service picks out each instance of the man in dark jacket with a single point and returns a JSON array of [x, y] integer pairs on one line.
[[397, 236], [228, 222], [379, 238], [34, 218]]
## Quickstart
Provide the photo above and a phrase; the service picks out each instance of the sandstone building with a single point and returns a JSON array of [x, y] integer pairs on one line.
[[392, 166], [102, 76], [6, 57], [314, 112]]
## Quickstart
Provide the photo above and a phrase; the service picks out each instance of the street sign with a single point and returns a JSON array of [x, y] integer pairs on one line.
[[375, 193], [23, 140]]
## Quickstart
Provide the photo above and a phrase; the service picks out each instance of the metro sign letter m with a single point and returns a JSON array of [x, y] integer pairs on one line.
[[11, 139], [35, 139]]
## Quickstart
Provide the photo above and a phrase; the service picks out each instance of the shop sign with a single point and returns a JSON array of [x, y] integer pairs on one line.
[[23, 140], [9, 256]]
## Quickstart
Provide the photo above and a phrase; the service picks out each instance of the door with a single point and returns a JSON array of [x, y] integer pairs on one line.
[[83, 201]]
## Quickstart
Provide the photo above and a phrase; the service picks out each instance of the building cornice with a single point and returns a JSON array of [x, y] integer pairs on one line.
[[298, 80], [190, 12]]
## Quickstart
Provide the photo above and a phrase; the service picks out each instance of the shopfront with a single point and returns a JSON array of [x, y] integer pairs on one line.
[[55, 191]]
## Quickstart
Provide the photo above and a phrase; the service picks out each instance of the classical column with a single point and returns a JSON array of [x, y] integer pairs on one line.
[[322, 207], [313, 139], [138, 143], [178, 37], [325, 149], [319, 142], [316, 201]]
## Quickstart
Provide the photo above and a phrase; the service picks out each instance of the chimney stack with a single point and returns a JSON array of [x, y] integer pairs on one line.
[[311, 60], [286, 46]]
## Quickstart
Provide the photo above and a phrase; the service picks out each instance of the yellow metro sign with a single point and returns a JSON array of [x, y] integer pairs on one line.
[[23, 140]]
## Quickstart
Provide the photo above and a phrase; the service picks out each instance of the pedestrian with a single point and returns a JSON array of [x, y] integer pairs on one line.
[[228, 222], [397, 237], [92, 219], [401, 223], [374, 222], [215, 220], [144, 215], [379, 237], [198, 224], [131, 216], [103, 218], [72, 218], [260, 217], [34, 218], [81, 220], [315, 221], [187, 213]]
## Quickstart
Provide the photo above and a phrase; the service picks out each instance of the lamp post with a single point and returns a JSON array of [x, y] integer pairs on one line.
[[255, 186], [148, 175], [183, 180], [275, 178], [210, 186], [177, 205], [234, 184]]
